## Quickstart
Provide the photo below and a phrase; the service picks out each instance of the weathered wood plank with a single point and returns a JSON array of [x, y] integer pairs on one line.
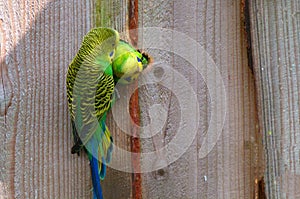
[[116, 14], [230, 169], [40, 39], [276, 55]]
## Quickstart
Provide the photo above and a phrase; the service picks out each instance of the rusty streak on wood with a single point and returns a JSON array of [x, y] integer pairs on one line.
[[134, 108], [133, 21], [261, 189], [245, 15], [246, 31], [136, 147]]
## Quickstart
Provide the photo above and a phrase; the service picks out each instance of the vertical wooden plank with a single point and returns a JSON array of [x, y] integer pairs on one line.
[[6, 93], [134, 107], [161, 183], [232, 167], [38, 41], [276, 39], [119, 15]]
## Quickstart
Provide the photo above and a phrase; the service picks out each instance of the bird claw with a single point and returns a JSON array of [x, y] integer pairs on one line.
[[76, 149]]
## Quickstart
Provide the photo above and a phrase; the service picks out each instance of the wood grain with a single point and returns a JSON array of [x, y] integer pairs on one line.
[[230, 169], [276, 40], [40, 38], [116, 14]]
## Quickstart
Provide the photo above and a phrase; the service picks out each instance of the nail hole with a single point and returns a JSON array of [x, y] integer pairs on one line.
[[161, 172]]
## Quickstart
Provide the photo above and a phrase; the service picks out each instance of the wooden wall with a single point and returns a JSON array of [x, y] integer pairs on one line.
[[276, 55], [40, 38]]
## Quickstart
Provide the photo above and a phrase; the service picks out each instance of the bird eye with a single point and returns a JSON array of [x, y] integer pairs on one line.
[[138, 59], [111, 53], [128, 79]]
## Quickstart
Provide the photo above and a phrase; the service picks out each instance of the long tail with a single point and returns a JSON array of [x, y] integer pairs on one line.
[[96, 179], [93, 157], [99, 150]]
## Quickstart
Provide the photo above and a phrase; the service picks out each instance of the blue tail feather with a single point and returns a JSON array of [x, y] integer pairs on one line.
[[96, 179], [94, 195]]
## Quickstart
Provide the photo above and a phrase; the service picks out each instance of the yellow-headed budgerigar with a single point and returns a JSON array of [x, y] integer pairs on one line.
[[102, 61]]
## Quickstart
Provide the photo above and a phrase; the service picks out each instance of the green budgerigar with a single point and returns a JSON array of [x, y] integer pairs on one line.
[[102, 61]]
